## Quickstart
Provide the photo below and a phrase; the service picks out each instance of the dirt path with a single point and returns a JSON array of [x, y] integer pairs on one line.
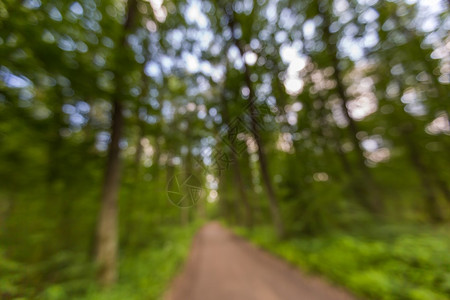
[[223, 266]]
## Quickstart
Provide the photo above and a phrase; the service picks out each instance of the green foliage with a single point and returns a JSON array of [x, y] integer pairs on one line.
[[405, 263], [355, 130], [144, 273], [147, 273]]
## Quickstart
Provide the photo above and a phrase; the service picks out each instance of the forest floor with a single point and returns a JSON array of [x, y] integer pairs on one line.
[[223, 266]]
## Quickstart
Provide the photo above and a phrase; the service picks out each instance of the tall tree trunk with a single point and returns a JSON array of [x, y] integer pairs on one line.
[[241, 189], [374, 197], [107, 231], [188, 173], [134, 196], [55, 182], [237, 176], [431, 199], [107, 226], [201, 209], [429, 175], [254, 114], [443, 187], [430, 196], [330, 134], [224, 207], [170, 173]]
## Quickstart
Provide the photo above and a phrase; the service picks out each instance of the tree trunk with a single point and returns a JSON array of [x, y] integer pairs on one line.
[[241, 189], [188, 172], [134, 196], [330, 134], [107, 226], [273, 201], [375, 202], [107, 231], [431, 200], [428, 173], [443, 187], [237, 176]]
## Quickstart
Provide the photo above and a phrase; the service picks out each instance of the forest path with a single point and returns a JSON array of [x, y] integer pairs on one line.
[[222, 266]]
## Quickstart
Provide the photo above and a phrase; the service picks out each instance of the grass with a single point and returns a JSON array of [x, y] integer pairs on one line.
[[147, 274], [384, 262], [144, 273]]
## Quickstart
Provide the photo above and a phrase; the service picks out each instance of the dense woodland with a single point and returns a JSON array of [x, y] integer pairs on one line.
[[304, 118]]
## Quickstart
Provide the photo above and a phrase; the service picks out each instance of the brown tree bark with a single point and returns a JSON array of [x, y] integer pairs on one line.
[[107, 231], [237, 176], [425, 177], [273, 201], [427, 171], [330, 134], [374, 200], [443, 187], [134, 196], [188, 172], [107, 225]]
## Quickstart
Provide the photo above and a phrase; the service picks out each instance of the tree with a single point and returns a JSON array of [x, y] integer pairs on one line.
[[107, 227]]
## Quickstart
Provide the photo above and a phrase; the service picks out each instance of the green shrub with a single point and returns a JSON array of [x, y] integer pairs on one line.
[[143, 273], [397, 262]]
